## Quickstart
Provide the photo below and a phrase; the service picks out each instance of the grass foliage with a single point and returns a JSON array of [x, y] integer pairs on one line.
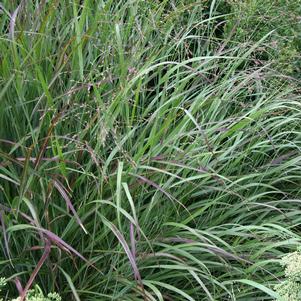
[[254, 18], [145, 153]]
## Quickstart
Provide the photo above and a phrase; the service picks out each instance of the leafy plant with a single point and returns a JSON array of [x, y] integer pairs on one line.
[[290, 289]]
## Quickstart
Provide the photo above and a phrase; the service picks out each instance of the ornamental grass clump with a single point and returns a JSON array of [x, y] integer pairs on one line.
[[147, 152], [290, 289]]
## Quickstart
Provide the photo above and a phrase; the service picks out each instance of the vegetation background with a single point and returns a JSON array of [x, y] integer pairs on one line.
[[150, 150]]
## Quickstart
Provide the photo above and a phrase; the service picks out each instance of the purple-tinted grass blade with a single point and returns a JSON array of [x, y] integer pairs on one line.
[[282, 158], [180, 240], [133, 242], [18, 286], [65, 196], [150, 182], [60, 242], [128, 252], [37, 269], [63, 245]]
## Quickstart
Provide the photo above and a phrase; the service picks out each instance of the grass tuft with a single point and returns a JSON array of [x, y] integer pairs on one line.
[[150, 150]]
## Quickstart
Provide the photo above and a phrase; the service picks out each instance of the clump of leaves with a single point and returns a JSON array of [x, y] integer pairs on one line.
[[290, 289], [35, 294]]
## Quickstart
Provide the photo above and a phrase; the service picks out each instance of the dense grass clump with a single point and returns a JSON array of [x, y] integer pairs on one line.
[[145, 153]]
